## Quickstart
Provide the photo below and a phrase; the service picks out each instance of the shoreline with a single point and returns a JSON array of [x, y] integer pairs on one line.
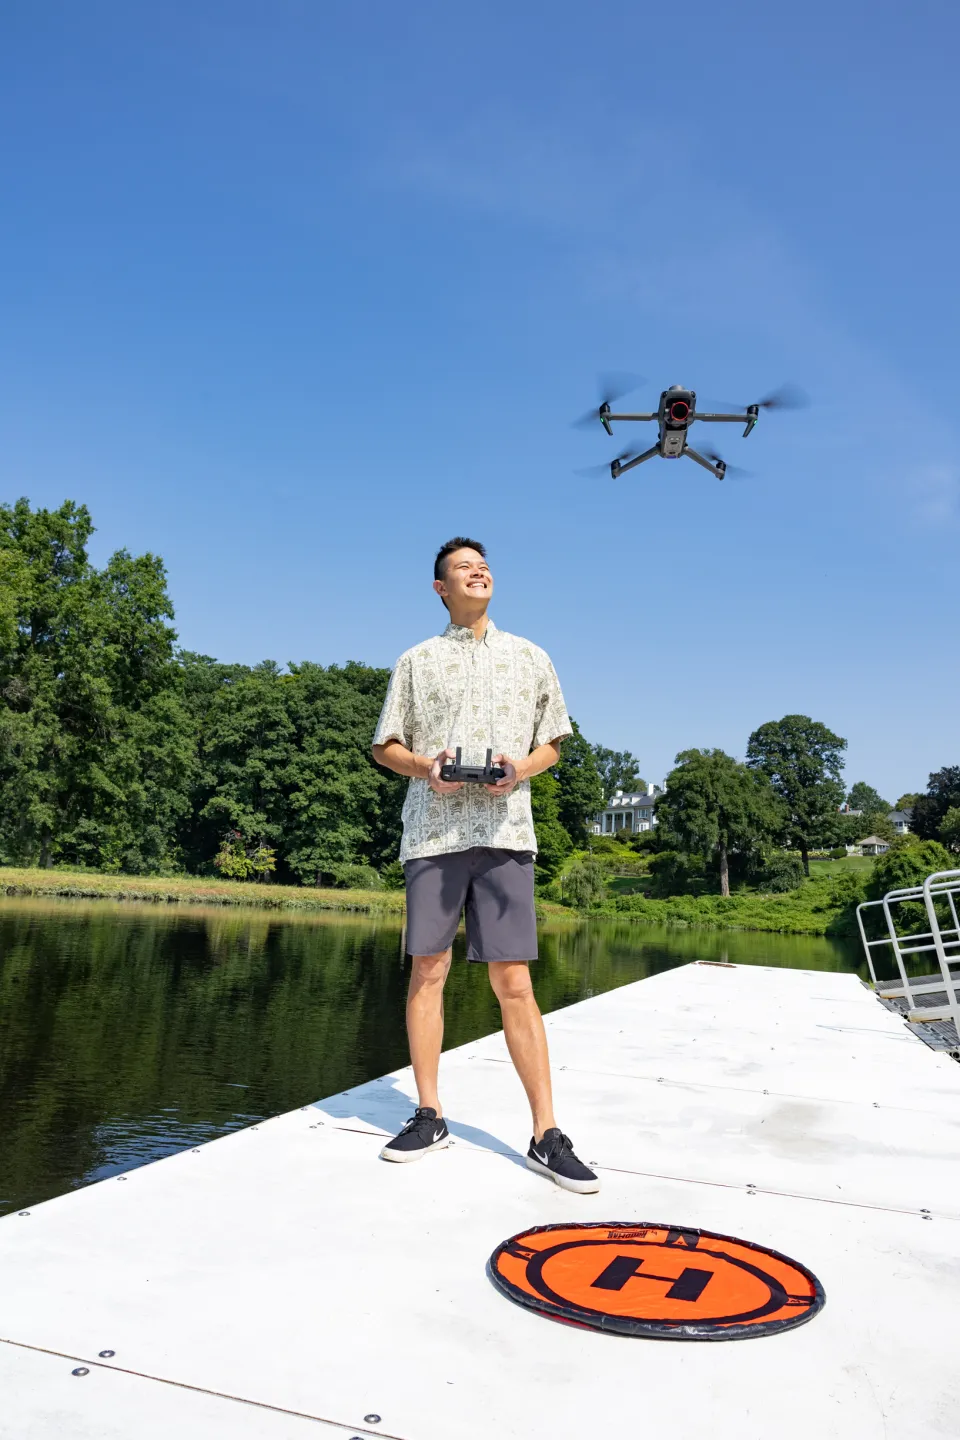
[[771, 914]]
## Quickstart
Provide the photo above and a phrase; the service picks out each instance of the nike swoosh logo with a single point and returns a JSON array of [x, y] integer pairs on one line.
[[438, 1136], [542, 1158]]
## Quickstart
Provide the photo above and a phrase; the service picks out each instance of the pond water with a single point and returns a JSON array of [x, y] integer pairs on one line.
[[128, 1032]]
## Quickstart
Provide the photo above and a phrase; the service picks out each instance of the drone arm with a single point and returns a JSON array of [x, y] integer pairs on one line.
[[637, 417], [617, 469], [698, 415], [715, 470]]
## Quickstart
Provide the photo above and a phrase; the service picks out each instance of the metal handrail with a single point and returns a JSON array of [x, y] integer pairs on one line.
[[942, 884]]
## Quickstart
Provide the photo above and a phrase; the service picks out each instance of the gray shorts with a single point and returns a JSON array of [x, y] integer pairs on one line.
[[495, 890]]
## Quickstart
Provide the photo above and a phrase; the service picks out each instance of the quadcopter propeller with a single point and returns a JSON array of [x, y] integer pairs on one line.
[[788, 397], [604, 469], [730, 472], [613, 387]]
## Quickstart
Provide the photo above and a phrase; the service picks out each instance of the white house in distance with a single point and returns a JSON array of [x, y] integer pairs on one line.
[[872, 844], [628, 810]]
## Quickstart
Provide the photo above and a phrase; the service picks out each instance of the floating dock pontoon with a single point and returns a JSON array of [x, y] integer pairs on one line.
[[282, 1282]]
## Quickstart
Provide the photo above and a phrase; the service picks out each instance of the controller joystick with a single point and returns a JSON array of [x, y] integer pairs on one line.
[[487, 774]]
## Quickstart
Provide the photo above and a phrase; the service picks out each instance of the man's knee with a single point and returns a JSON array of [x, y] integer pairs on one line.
[[510, 980], [429, 970]]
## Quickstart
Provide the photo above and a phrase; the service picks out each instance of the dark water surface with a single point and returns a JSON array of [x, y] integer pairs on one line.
[[128, 1032]]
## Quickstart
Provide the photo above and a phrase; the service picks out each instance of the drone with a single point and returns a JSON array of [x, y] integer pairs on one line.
[[674, 416]]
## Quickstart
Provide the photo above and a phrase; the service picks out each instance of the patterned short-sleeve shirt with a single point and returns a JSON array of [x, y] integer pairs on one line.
[[499, 693]]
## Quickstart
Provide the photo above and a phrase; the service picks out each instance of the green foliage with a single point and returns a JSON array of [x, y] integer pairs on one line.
[[96, 747], [715, 806], [950, 828], [553, 842], [392, 876], [863, 797], [880, 825], [232, 859], [238, 860], [838, 853], [580, 794], [675, 873], [781, 872], [803, 761], [929, 810], [907, 801], [585, 884], [117, 753], [908, 862], [617, 770], [354, 877], [822, 906]]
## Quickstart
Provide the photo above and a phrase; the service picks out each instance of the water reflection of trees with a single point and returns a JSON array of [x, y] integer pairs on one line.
[[130, 1032]]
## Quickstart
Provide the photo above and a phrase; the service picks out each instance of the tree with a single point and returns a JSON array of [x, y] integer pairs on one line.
[[877, 824], [929, 810], [803, 760], [715, 805], [95, 742], [950, 828], [617, 769], [553, 842], [868, 801], [585, 883], [580, 787], [907, 801]]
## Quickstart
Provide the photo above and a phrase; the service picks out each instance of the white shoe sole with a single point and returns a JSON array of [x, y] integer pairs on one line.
[[579, 1187], [402, 1157]]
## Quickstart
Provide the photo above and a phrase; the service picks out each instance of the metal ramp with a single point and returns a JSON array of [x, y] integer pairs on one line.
[[930, 1004]]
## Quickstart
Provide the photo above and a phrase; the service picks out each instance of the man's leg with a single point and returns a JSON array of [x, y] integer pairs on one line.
[[425, 1023], [525, 1036]]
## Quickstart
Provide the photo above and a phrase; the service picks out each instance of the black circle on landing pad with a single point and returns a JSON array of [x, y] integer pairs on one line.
[[664, 1282]]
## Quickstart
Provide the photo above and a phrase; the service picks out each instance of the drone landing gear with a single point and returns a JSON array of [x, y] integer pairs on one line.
[[719, 470], [618, 468]]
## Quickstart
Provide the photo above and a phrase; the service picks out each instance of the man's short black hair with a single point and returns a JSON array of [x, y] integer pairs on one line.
[[459, 542]]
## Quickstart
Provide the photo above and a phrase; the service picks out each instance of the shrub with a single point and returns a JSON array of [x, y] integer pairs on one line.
[[392, 876], [908, 862], [675, 873], [839, 853], [354, 877], [781, 873]]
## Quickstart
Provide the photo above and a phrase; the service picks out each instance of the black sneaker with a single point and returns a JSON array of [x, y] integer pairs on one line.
[[422, 1133], [553, 1156]]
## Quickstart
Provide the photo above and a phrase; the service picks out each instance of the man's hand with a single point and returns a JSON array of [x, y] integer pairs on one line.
[[443, 787], [510, 779]]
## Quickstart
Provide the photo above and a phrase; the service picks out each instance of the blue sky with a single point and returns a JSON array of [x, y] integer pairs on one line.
[[293, 291]]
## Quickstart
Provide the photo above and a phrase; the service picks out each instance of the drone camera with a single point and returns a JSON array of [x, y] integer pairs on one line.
[[677, 407]]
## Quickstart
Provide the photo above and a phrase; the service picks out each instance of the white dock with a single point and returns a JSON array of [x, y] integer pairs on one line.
[[282, 1282]]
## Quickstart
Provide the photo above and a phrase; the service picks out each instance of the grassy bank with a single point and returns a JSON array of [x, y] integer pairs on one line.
[[821, 907], [824, 905], [190, 890]]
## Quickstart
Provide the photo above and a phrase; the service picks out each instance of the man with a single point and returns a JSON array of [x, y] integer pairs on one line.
[[471, 847]]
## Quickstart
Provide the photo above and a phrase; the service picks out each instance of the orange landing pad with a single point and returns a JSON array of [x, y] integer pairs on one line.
[[656, 1280]]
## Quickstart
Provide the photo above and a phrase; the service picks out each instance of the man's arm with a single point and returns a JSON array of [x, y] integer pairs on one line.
[[544, 757], [396, 757]]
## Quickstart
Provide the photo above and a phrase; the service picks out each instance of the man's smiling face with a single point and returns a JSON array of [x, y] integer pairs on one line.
[[466, 579]]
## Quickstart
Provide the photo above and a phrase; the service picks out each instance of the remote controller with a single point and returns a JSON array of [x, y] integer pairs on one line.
[[487, 774]]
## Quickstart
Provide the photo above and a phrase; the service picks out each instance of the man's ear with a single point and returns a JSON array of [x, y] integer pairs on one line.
[[439, 586]]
